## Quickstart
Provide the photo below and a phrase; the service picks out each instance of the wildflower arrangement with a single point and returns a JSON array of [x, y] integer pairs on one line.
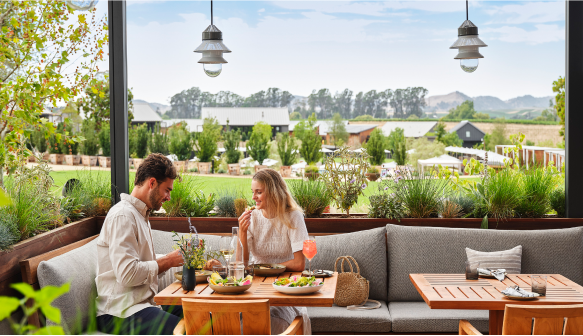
[[192, 250]]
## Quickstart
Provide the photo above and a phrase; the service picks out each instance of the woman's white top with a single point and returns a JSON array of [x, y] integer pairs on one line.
[[272, 242]]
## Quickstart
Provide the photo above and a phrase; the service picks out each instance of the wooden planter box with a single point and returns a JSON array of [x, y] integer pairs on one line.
[[204, 167], [104, 161], [72, 160], [285, 171], [234, 169], [89, 160], [42, 243], [137, 163], [56, 158], [259, 167]]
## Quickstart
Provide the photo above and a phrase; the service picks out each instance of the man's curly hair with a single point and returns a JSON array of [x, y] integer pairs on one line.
[[157, 166]]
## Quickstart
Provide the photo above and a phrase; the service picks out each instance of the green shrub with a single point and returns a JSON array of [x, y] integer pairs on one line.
[[557, 199], [421, 194], [312, 196], [373, 170], [158, 141], [34, 205], [385, 206], [287, 149], [142, 137], [56, 140], [90, 146], [225, 204], [246, 172], [221, 171], [193, 170], [344, 177], [465, 202], [90, 196], [538, 184], [69, 147], [231, 144], [375, 147], [9, 233], [38, 141], [187, 199], [104, 140], [497, 195], [206, 141], [258, 144], [180, 141]]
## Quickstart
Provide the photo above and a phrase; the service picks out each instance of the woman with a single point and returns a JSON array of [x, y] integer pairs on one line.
[[274, 233]]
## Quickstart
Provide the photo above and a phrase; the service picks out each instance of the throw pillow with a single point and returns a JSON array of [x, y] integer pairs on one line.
[[510, 260]]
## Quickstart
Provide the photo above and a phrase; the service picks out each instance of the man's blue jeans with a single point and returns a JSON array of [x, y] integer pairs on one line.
[[149, 321]]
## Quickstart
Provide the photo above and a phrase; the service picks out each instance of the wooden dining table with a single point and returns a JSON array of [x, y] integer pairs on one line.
[[453, 291], [261, 288]]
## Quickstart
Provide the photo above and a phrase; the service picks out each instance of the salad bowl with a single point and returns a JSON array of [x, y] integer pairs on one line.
[[298, 285], [229, 286], [229, 289]]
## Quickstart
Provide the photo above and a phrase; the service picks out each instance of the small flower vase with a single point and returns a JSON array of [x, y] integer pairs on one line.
[[188, 278]]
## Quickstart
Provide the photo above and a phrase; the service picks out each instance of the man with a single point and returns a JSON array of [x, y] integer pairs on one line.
[[127, 269]]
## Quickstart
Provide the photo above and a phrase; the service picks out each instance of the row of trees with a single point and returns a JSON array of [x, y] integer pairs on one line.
[[189, 103], [403, 102]]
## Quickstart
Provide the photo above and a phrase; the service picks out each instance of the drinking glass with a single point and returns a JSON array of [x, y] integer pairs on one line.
[[226, 248], [310, 251], [539, 284], [222, 270], [472, 270], [236, 271]]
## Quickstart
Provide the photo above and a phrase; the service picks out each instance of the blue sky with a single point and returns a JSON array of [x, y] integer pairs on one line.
[[304, 45]]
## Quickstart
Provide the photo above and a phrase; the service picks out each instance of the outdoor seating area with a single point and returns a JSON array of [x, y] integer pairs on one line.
[[416, 273]]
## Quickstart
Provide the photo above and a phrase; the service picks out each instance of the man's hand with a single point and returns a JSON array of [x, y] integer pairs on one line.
[[172, 259]]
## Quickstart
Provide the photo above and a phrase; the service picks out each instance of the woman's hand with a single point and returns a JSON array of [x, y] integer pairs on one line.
[[244, 222]]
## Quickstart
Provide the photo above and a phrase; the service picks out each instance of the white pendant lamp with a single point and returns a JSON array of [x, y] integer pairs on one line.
[[468, 45], [212, 49], [83, 5]]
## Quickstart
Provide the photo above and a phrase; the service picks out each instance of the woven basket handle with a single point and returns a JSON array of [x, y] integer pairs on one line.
[[342, 265], [348, 259]]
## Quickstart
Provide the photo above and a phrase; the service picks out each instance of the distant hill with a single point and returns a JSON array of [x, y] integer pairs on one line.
[[485, 103]]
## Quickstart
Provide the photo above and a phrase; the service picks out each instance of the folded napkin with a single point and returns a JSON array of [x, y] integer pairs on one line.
[[498, 274], [517, 291]]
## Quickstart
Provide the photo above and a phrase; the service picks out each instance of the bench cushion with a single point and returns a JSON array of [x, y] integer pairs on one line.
[[79, 267], [442, 250], [340, 319], [368, 249], [418, 317]]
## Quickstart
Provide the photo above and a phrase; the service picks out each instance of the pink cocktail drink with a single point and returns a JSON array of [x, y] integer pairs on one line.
[[310, 250]]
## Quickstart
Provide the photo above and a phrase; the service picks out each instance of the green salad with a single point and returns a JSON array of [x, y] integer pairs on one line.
[[296, 281]]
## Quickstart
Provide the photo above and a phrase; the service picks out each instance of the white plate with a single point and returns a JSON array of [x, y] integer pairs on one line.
[[297, 290], [521, 298]]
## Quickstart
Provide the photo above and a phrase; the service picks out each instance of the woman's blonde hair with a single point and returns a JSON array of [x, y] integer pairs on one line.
[[280, 200]]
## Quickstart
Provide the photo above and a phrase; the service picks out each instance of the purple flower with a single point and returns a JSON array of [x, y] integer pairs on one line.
[[363, 186], [393, 195], [398, 178], [398, 171], [353, 180], [386, 188]]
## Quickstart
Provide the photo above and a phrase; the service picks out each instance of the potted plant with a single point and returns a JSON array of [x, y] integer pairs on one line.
[[312, 196], [311, 173], [372, 174], [232, 153], [258, 144], [206, 144], [104, 143], [90, 146], [287, 149], [70, 148]]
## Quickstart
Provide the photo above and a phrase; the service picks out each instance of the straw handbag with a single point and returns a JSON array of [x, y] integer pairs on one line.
[[351, 288]]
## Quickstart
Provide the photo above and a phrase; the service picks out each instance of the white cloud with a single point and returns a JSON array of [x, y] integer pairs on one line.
[[529, 12], [261, 10], [542, 34], [373, 8]]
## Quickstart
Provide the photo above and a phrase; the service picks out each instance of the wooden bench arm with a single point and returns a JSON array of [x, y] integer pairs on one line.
[[296, 327], [180, 328], [466, 328]]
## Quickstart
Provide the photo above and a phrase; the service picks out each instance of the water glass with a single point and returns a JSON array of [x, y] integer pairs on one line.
[[472, 270], [539, 284], [236, 271], [221, 270]]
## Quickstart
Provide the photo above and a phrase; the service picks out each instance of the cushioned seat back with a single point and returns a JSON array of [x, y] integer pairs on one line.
[[79, 267], [367, 247], [442, 250]]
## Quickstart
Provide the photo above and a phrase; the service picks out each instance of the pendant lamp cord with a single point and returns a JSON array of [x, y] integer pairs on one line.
[[467, 18], [212, 12]]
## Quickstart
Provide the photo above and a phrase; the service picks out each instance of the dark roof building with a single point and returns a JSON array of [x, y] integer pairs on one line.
[[468, 133]]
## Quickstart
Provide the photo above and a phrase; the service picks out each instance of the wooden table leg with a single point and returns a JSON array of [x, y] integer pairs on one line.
[[495, 322]]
